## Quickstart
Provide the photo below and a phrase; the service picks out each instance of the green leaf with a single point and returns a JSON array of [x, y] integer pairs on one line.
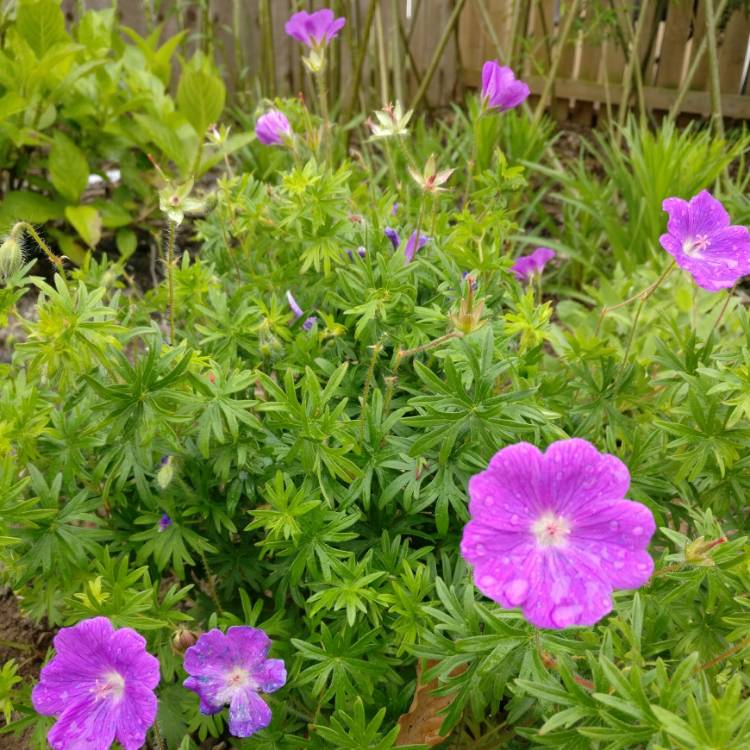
[[87, 222], [201, 94], [68, 168], [41, 24]]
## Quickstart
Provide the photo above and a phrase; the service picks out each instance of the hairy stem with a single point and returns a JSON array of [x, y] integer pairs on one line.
[[170, 277]]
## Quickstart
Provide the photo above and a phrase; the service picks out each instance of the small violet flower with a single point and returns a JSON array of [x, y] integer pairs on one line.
[[392, 235], [164, 523], [412, 245], [314, 29], [500, 88], [273, 128], [527, 266], [552, 533], [100, 686], [361, 251], [394, 208], [703, 242], [232, 669], [297, 311]]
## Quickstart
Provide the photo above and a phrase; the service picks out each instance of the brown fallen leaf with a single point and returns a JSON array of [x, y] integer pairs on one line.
[[420, 725]]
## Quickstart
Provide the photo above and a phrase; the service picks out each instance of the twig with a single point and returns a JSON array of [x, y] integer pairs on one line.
[[731, 651]]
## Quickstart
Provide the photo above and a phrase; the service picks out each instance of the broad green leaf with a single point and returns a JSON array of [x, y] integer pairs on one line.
[[200, 95], [68, 168], [87, 222], [41, 24]]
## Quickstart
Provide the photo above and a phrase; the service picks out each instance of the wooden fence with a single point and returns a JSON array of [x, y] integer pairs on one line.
[[577, 52]]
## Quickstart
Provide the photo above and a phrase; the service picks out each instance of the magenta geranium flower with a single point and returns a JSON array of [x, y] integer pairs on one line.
[[100, 686], [232, 669], [528, 265], [500, 88], [703, 242], [297, 312], [314, 29], [412, 245], [273, 128], [552, 533]]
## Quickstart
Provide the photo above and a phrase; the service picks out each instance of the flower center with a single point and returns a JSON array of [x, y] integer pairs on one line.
[[694, 246], [551, 530], [238, 678], [111, 686]]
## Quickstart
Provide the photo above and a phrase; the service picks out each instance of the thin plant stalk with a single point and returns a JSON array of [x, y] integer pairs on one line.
[[438, 54], [320, 79], [713, 67], [556, 60], [269, 61], [171, 230]]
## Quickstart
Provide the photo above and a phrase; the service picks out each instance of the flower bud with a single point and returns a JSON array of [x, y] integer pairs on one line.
[[11, 257], [697, 551], [183, 639], [166, 473]]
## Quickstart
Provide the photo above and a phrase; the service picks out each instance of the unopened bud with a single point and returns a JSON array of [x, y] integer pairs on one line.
[[11, 257], [183, 639], [166, 473], [696, 552]]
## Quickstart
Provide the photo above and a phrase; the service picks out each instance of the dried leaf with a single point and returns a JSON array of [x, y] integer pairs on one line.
[[421, 724]]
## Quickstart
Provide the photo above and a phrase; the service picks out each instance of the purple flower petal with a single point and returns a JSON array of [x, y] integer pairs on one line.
[[100, 687], [527, 266], [295, 308], [500, 88], [552, 533], [314, 29], [392, 235], [272, 128], [230, 669], [412, 245], [248, 714], [702, 241]]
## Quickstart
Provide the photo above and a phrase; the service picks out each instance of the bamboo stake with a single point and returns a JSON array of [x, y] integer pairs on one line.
[[559, 48], [685, 86], [382, 57], [630, 70], [438, 54], [361, 61], [713, 67]]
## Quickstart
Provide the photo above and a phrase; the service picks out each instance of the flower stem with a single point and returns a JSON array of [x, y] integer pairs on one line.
[[723, 309], [429, 345], [210, 584], [731, 651], [158, 739], [323, 102], [23, 227], [644, 294], [170, 277]]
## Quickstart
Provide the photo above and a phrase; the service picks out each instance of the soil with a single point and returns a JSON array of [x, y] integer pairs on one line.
[[27, 643]]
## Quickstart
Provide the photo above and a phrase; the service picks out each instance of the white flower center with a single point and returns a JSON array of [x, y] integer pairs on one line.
[[551, 530], [694, 246], [111, 686], [237, 679]]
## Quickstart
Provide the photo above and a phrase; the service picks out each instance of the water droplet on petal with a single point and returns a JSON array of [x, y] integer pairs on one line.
[[516, 591], [566, 615], [637, 530], [614, 525]]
